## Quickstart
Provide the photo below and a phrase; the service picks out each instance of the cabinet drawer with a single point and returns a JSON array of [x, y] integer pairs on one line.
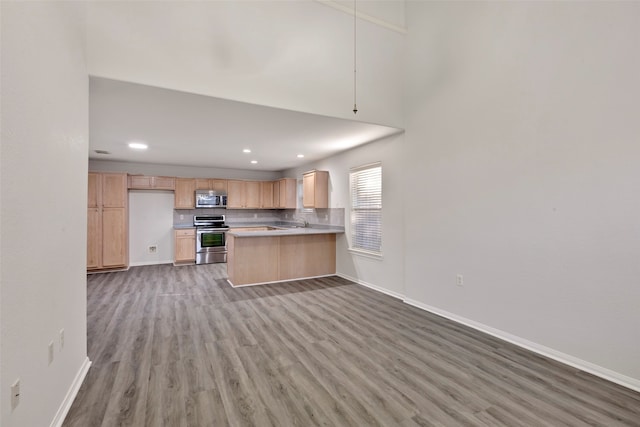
[[186, 233]]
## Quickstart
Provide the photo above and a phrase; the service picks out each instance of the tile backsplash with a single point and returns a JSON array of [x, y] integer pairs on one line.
[[332, 216]]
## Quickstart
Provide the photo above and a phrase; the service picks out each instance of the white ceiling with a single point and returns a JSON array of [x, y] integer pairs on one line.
[[195, 130], [185, 78]]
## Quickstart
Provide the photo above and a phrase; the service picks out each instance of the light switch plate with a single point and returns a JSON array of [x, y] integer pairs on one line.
[[15, 394]]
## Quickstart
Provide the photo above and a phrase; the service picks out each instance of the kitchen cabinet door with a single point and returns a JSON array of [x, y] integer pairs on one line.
[[267, 195], [308, 190], [276, 194], [94, 238], [95, 187], [236, 194], [185, 246], [315, 189], [288, 193], [140, 182], [253, 190], [107, 239], [143, 182], [185, 193], [114, 227], [219, 185], [202, 184], [243, 194], [114, 190], [164, 183]]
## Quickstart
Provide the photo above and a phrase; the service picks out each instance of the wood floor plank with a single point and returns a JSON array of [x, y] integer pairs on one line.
[[178, 346]]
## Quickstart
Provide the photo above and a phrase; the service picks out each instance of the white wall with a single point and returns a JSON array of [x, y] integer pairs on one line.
[[385, 274], [180, 171], [521, 160], [296, 55], [44, 159], [150, 223]]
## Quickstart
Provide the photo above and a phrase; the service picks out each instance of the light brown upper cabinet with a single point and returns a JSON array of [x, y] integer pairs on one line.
[[185, 193], [284, 193], [144, 182], [266, 195], [219, 185], [243, 194], [315, 189], [107, 221]]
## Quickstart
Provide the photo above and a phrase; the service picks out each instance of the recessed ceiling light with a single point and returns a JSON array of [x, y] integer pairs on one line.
[[246, 150], [300, 156], [254, 162], [138, 146]]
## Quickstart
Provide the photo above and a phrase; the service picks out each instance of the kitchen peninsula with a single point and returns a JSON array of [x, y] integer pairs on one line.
[[258, 255]]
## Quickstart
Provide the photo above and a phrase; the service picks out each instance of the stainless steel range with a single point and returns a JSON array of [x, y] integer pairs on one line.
[[211, 240]]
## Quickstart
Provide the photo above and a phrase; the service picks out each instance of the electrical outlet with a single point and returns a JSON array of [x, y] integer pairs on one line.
[[255, 215], [51, 352], [459, 280], [153, 249], [15, 394], [61, 339], [181, 217]]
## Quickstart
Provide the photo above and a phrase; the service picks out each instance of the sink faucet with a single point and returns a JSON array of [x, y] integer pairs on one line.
[[303, 221]]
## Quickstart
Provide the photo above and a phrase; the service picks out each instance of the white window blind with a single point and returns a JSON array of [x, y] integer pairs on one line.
[[366, 208]]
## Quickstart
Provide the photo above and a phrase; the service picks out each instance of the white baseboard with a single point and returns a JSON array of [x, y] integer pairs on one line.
[[374, 287], [71, 394], [138, 264], [567, 359]]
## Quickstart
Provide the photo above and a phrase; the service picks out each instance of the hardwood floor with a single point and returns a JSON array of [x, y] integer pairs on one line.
[[177, 346]]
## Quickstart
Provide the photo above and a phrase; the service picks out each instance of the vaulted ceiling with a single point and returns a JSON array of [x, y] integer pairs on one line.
[[200, 81]]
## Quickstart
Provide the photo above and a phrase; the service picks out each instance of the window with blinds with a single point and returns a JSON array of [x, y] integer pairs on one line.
[[366, 208]]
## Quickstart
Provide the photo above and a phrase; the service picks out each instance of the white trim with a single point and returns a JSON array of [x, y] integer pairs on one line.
[[371, 165], [371, 286], [139, 264], [279, 281], [108, 270], [567, 359], [364, 16], [71, 394], [366, 254]]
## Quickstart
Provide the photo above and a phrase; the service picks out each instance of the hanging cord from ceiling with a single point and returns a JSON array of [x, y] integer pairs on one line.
[[355, 106]]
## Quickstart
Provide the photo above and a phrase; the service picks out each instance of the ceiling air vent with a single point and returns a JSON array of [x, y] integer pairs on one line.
[[102, 152]]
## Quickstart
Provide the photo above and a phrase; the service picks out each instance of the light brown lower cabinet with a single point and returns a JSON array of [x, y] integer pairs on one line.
[[185, 246], [263, 259]]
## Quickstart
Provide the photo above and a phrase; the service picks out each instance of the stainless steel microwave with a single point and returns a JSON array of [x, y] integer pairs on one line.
[[210, 199]]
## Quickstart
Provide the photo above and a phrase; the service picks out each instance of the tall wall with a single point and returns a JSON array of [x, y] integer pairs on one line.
[[43, 213], [385, 274], [296, 55], [150, 223], [179, 171], [521, 173]]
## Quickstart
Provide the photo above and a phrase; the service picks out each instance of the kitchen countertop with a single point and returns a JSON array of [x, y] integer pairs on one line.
[[183, 226], [283, 230]]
